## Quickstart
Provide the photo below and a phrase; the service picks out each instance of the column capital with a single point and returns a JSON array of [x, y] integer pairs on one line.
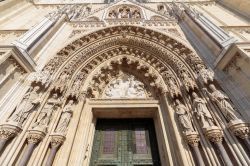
[[57, 140], [35, 136], [192, 138], [8, 131], [214, 134], [239, 129]]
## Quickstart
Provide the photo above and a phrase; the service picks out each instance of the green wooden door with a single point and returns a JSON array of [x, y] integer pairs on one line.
[[125, 142]]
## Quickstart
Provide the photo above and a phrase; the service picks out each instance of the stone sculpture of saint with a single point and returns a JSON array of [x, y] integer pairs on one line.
[[222, 101], [45, 115], [201, 111], [65, 118], [188, 81], [183, 117], [172, 86], [28, 104], [62, 80]]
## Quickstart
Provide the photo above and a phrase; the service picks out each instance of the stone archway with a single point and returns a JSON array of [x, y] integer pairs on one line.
[[72, 84]]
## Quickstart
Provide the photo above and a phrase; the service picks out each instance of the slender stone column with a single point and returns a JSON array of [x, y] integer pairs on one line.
[[7, 131], [33, 138], [56, 142], [241, 130], [214, 134], [193, 140]]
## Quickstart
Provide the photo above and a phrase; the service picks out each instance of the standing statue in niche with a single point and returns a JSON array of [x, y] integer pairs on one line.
[[183, 117], [201, 111], [45, 115], [222, 101], [65, 118], [28, 104]]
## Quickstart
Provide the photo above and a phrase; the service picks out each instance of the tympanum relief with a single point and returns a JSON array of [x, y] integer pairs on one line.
[[126, 86]]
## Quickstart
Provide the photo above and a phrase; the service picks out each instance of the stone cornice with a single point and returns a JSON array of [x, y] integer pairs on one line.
[[23, 59]]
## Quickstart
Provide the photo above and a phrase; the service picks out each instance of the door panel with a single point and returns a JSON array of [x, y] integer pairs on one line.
[[125, 142]]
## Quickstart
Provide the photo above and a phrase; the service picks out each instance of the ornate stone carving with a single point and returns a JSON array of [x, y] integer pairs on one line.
[[46, 113], [42, 78], [222, 101], [132, 39], [29, 103], [172, 84], [35, 136], [57, 140], [125, 87], [206, 75], [65, 118], [124, 11], [202, 112], [193, 138], [239, 128], [8, 131], [74, 91], [184, 117], [81, 12], [214, 134], [188, 82], [61, 82]]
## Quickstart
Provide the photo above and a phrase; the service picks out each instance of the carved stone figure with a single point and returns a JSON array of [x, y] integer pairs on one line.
[[202, 111], [77, 85], [173, 87], [29, 103], [136, 14], [43, 77], [188, 81], [60, 83], [206, 75], [183, 116], [222, 101], [65, 118], [45, 115], [125, 87]]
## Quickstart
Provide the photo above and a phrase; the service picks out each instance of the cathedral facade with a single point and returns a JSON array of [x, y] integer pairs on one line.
[[124, 82]]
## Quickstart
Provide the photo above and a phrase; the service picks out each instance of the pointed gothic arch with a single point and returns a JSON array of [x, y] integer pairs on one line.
[[168, 57]]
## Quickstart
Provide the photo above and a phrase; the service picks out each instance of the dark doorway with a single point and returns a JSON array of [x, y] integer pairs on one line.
[[125, 142]]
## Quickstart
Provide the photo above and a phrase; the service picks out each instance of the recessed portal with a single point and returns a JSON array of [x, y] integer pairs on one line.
[[125, 142]]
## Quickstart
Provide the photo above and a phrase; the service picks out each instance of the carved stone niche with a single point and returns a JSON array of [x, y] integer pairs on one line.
[[124, 12]]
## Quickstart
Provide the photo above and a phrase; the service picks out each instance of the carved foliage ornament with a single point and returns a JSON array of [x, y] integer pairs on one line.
[[149, 37], [124, 12]]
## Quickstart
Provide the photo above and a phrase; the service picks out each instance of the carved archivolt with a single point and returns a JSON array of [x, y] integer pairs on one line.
[[158, 50]]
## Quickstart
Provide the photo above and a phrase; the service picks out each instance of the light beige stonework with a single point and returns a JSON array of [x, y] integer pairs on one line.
[[184, 64]]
